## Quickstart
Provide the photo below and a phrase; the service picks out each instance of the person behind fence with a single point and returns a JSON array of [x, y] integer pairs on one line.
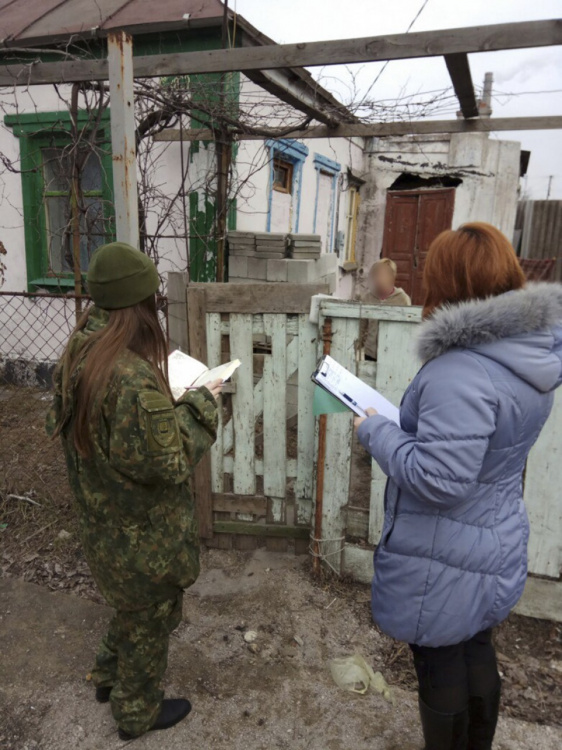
[[452, 559], [382, 291], [130, 450]]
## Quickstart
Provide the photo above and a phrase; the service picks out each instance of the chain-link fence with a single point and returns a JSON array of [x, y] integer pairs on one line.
[[34, 329]]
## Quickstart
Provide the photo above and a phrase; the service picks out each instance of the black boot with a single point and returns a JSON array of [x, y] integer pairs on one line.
[[483, 717], [444, 731], [102, 694], [172, 711]]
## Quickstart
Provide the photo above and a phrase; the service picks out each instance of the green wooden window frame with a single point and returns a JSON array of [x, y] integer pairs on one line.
[[36, 132]]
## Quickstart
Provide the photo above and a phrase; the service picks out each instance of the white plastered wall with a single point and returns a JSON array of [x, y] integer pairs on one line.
[[488, 168]]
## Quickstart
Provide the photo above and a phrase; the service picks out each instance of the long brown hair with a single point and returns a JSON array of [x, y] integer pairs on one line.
[[135, 328], [474, 261]]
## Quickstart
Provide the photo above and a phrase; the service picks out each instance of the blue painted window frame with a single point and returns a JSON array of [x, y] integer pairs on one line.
[[295, 153], [333, 168]]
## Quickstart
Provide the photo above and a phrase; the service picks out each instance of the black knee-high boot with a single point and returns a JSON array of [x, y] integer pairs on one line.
[[444, 731], [483, 718]]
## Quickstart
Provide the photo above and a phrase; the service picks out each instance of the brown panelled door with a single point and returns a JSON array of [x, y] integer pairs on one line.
[[413, 220]]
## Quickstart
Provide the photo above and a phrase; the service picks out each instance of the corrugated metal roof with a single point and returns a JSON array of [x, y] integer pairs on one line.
[[27, 21]]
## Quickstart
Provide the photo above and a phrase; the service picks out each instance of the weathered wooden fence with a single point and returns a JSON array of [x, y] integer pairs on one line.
[[258, 478], [352, 527], [274, 464]]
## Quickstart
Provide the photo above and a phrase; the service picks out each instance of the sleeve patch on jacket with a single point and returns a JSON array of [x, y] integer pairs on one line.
[[158, 423]]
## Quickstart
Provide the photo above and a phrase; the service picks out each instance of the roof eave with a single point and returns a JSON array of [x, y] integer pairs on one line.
[[101, 33]]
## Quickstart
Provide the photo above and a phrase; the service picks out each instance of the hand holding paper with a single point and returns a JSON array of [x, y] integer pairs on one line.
[[186, 372], [359, 420], [351, 391]]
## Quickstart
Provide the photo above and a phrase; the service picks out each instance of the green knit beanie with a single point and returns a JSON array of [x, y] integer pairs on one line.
[[120, 276]]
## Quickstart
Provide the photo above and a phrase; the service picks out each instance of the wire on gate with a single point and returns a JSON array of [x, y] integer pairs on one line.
[[323, 556]]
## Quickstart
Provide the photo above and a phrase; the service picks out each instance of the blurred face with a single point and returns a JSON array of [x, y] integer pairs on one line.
[[382, 281]]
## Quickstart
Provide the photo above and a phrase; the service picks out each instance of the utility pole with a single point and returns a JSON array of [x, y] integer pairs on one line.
[[549, 186]]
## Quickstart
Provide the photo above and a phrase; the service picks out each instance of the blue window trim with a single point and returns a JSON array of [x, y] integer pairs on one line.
[[324, 164], [296, 153]]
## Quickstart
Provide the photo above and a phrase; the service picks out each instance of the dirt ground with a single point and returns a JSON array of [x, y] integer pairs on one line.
[[280, 697]]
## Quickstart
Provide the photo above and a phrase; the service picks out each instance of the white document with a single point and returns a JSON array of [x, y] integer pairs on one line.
[[352, 391], [186, 372]]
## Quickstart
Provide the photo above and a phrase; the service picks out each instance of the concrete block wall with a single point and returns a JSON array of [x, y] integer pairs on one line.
[[242, 269]]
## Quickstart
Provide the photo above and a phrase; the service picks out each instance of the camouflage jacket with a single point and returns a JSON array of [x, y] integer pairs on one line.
[[136, 511]]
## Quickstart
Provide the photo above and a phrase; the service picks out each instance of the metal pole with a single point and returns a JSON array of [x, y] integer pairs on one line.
[[120, 63], [549, 186]]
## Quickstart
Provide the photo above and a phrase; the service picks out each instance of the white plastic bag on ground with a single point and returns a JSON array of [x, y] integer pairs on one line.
[[352, 673]]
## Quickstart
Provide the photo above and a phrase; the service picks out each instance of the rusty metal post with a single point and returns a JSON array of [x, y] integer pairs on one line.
[[120, 63], [320, 464]]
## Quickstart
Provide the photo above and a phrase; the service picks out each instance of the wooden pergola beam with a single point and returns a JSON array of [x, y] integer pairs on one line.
[[366, 130], [459, 70], [268, 57]]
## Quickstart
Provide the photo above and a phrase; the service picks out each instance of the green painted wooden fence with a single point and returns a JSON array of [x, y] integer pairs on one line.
[[345, 521]]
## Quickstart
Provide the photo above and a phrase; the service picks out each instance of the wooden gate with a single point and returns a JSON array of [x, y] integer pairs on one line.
[[257, 480], [413, 220]]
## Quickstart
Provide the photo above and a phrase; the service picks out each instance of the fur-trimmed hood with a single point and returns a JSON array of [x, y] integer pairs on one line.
[[522, 330]]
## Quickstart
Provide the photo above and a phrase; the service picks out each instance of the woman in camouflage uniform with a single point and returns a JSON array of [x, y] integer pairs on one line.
[[130, 450]]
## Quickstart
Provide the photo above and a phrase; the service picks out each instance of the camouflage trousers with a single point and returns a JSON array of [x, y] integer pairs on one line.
[[132, 659]]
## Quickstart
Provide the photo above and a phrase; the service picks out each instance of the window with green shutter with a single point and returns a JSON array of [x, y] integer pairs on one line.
[[67, 194]]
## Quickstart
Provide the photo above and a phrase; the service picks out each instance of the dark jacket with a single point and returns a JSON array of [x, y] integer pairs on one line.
[[452, 559], [136, 511]]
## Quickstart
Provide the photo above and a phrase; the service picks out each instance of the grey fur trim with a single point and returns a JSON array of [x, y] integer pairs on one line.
[[468, 324]]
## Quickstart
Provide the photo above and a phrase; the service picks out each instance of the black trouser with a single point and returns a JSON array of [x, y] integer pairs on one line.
[[449, 676]]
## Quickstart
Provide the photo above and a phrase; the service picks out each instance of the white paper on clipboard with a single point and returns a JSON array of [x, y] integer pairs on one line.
[[352, 391]]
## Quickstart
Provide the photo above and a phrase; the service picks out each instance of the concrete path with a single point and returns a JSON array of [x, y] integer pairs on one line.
[[280, 697]]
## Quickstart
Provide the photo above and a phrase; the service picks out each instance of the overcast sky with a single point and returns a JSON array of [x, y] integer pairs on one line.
[[515, 72]]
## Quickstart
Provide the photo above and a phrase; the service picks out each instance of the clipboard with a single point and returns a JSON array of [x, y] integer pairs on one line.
[[351, 391]]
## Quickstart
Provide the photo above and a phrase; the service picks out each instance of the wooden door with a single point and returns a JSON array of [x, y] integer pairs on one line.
[[413, 220]]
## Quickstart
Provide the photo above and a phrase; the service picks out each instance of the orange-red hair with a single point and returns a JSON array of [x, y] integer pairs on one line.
[[474, 261]]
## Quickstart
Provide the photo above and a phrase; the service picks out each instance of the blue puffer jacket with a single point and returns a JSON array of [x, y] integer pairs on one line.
[[452, 559]]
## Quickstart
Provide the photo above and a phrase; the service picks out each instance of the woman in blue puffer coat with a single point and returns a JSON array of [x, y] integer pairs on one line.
[[452, 559]]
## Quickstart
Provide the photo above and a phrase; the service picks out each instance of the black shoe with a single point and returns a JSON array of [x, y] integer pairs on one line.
[[483, 717], [102, 694], [444, 731], [172, 711]]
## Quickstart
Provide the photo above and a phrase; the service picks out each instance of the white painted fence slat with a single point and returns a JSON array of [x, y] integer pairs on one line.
[[244, 479], [213, 360], [291, 467], [543, 480], [357, 311], [395, 368], [339, 435], [292, 361], [257, 325], [275, 414], [307, 357]]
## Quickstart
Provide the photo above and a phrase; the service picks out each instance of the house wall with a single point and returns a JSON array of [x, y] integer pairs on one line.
[[255, 194], [258, 208], [488, 168]]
